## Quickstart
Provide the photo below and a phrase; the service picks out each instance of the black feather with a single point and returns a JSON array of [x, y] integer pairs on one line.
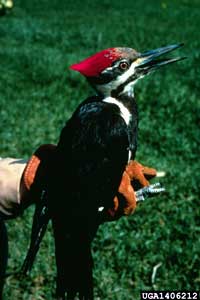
[[89, 161]]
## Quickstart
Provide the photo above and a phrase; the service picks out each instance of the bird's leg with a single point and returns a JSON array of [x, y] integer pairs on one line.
[[149, 191], [40, 222], [125, 201]]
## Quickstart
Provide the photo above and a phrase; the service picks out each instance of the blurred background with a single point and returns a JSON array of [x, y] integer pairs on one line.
[[38, 93]]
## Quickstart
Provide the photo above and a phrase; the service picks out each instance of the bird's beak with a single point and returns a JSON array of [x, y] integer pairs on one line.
[[149, 60]]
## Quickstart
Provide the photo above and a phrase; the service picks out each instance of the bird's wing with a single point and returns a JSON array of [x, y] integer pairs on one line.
[[91, 156], [94, 149]]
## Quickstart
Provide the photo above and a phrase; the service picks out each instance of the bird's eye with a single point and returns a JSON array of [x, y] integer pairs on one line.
[[123, 65]]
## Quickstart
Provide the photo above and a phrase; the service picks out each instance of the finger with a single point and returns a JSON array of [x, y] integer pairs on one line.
[[149, 172]]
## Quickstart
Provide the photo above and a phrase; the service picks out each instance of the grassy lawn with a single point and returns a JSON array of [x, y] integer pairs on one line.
[[38, 93]]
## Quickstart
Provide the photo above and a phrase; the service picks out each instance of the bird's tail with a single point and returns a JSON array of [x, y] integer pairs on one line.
[[74, 260]]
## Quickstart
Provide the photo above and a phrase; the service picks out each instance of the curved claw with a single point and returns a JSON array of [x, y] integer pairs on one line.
[[149, 191]]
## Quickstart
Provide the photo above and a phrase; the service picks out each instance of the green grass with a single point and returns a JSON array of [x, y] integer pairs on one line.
[[38, 93]]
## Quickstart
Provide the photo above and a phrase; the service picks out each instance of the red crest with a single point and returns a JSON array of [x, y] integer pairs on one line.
[[95, 64]]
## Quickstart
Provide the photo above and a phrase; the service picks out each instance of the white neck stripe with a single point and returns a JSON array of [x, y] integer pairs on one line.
[[124, 112]]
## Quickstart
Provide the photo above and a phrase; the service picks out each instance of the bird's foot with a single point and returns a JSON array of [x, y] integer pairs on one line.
[[149, 191]]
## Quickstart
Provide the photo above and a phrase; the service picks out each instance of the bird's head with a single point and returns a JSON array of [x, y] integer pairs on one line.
[[115, 71]]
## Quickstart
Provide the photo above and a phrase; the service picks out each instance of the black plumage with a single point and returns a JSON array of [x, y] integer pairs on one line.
[[85, 170], [89, 161]]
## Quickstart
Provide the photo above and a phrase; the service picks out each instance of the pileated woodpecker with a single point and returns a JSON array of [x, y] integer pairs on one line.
[[94, 148]]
